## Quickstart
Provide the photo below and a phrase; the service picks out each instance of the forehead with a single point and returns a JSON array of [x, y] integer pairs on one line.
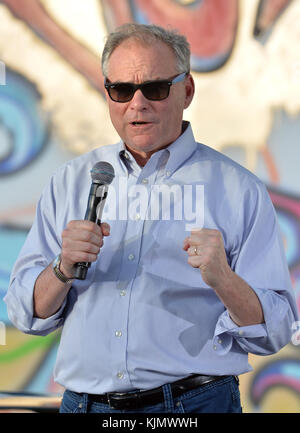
[[134, 60]]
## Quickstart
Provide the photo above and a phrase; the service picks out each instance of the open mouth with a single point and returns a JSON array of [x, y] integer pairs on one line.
[[139, 123]]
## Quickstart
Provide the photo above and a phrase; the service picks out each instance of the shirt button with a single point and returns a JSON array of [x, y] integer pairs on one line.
[[137, 217], [118, 333], [219, 341], [215, 347], [120, 375], [123, 293], [131, 257], [241, 332], [145, 181]]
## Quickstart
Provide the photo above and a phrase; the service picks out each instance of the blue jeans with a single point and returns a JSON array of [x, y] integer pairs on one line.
[[215, 397]]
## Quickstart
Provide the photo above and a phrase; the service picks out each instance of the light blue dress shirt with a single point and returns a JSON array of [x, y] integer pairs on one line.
[[144, 316]]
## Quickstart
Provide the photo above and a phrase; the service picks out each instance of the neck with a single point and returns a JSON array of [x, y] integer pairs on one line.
[[141, 157]]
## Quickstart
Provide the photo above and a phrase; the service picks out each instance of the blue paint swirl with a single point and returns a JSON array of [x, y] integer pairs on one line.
[[279, 373], [24, 122]]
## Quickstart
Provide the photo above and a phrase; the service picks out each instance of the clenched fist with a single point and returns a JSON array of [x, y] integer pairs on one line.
[[81, 242], [206, 251]]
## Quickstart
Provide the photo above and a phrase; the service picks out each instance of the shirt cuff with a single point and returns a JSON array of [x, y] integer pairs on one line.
[[19, 300], [226, 331], [45, 326]]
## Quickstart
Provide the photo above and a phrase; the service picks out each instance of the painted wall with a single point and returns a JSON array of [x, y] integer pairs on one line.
[[246, 65]]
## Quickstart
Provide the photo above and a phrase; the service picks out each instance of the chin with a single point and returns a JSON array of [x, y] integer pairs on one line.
[[143, 146]]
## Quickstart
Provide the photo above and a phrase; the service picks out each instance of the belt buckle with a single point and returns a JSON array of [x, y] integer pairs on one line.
[[109, 396], [116, 401]]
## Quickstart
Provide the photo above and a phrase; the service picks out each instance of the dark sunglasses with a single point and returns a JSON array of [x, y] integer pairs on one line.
[[152, 90]]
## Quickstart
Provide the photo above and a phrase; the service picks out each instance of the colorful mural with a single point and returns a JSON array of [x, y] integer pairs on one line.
[[246, 66]]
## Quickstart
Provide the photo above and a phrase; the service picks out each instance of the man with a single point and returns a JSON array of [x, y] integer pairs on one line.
[[166, 318]]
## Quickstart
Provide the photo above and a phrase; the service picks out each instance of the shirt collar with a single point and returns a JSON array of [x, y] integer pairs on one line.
[[181, 149], [128, 160]]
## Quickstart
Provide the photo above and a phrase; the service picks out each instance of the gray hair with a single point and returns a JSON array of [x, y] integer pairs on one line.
[[146, 34]]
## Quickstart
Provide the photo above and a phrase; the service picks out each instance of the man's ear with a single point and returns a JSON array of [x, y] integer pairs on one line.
[[189, 90]]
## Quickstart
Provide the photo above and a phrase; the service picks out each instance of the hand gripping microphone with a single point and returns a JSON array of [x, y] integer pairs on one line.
[[102, 175]]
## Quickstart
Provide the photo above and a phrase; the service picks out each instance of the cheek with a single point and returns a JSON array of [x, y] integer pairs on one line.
[[165, 111], [173, 107], [172, 115], [116, 115]]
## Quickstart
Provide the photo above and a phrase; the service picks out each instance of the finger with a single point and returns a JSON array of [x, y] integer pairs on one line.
[[186, 244], [105, 229], [70, 239], [77, 251], [194, 261], [194, 241], [195, 238], [194, 250], [78, 246], [81, 232], [79, 256], [205, 237], [84, 225]]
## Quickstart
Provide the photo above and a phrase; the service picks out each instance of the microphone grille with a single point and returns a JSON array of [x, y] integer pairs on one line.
[[103, 172]]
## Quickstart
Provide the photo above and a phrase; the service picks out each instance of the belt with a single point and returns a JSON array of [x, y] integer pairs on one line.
[[137, 399]]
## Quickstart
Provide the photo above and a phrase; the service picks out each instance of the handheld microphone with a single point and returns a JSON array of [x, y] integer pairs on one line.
[[102, 175]]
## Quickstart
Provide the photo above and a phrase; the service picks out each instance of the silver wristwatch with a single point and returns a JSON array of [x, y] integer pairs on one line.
[[58, 272]]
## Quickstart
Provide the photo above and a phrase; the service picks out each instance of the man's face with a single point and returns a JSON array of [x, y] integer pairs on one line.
[[135, 62]]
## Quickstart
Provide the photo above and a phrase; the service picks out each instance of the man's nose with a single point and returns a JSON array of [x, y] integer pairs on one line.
[[139, 101]]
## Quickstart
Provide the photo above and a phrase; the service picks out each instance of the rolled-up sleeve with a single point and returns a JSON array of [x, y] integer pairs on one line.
[[39, 249], [260, 260], [19, 300], [261, 339]]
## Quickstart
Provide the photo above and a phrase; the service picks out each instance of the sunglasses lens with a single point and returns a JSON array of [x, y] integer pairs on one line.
[[156, 91], [121, 92]]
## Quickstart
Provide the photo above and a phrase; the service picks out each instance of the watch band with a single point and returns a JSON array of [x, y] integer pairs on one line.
[[58, 273]]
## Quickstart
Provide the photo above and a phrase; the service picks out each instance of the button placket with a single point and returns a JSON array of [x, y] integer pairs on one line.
[[130, 264]]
